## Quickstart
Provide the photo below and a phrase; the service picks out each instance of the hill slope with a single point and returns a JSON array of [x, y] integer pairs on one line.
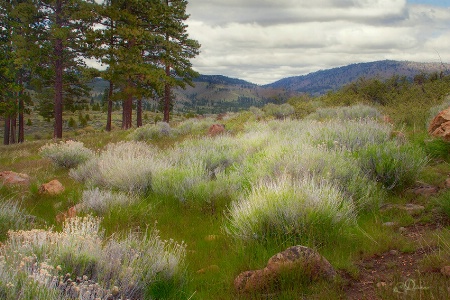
[[323, 81]]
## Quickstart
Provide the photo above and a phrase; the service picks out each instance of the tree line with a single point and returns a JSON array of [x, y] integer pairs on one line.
[[143, 45]]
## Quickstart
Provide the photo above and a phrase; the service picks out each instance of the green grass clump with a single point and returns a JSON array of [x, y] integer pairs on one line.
[[68, 154], [12, 217], [287, 207], [394, 166], [135, 265]]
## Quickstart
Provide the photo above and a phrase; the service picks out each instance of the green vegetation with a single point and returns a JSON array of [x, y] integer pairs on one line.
[[180, 214]]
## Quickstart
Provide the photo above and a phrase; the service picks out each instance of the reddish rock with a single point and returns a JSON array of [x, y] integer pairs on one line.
[[440, 125], [10, 177], [70, 213], [216, 129], [298, 259], [53, 187], [426, 191], [445, 271]]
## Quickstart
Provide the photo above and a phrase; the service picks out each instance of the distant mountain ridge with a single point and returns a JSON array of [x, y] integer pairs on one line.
[[218, 93], [322, 81]]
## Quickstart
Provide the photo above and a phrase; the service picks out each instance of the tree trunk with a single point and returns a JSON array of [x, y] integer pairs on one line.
[[7, 130], [110, 105], [58, 52], [21, 136], [139, 113], [13, 127], [167, 97], [127, 107]]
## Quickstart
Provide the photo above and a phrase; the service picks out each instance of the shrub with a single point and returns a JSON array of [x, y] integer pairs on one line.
[[392, 165], [101, 201], [132, 266], [72, 123], [278, 111], [285, 207], [354, 112], [125, 166], [66, 154], [12, 217], [151, 132]]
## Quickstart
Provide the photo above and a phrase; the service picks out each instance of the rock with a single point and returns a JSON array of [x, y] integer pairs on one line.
[[389, 224], [413, 209], [298, 259], [393, 252], [70, 213], [402, 230], [447, 183], [216, 129], [10, 177], [53, 187], [209, 269], [440, 125], [426, 191], [445, 271]]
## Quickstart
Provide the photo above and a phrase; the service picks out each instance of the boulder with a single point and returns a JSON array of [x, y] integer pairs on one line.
[[445, 271], [10, 177], [53, 187], [70, 213], [440, 125], [297, 259], [216, 129]]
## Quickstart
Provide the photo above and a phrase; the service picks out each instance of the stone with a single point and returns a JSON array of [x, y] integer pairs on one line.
[[414, 209], [389, 224], [426, 191], [53, 187], [447, 183], [297, 259], [440, 125], [216, 129], [445, 271], [393, 252], [70, 213], [10, 178]]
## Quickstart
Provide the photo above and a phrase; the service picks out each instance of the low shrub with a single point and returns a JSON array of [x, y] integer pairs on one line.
[[125, 166], [66, 154], [100, 201], [133, 265], [394, 166], [151, 132], [12, 217], [354, 112], [285, 207]]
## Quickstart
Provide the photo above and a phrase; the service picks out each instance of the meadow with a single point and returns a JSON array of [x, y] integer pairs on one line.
[[169, 212]]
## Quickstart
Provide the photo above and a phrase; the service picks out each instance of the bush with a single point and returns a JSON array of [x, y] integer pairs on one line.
[[286, 207], [392, 165], [127, 268], [12, 217], [100, 201], [125, 166], [68, 154], [151, 132], [354, 112]]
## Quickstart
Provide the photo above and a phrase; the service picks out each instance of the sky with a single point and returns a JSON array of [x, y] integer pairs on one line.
[[262, 41]]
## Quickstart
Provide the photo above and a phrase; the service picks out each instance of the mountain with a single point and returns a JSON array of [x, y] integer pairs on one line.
[[320, 82], [217, 93]]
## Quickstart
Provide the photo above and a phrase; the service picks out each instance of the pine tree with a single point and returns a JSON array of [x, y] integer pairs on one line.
[[177, 50], [62, 44]]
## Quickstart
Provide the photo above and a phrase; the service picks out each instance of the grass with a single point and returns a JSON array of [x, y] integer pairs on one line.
[[191, 189]]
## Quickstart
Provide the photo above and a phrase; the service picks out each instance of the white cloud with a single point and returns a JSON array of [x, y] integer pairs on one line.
[[263, 41]]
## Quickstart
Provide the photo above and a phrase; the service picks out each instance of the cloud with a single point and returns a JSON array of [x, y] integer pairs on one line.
[[263, 41]]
